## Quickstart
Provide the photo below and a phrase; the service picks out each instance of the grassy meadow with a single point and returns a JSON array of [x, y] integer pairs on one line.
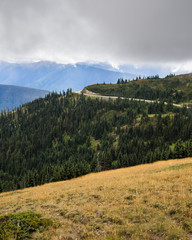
[[151, 201], [176, 89]]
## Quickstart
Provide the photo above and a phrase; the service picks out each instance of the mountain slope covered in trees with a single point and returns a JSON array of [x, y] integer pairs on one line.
[[14, 96], [63, 136], [176, 89]]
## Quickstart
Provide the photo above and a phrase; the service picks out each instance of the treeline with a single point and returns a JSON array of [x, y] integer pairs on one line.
[[63, 136], [175, 89], [147, 92], [141, 91], [122, 81]]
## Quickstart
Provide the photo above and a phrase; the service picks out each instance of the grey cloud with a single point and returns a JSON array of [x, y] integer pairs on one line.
[[133, 31]]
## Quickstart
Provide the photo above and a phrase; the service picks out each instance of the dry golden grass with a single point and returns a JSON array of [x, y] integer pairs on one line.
[[152, 201]]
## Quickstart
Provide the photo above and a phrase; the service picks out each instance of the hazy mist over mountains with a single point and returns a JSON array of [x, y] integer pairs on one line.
[[57, 77], [20, 82], [14, 96]]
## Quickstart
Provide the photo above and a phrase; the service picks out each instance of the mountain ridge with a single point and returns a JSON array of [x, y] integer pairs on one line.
[[58, 77], [12, 96]]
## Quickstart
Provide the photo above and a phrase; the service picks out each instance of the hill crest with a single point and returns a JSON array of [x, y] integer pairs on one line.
[[176, 89]]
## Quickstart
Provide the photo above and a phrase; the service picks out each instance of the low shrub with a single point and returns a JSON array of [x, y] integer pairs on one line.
[[21, 225]]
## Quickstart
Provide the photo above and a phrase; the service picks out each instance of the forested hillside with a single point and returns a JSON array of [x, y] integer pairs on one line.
[[65, 135], [14, 96], [176, 89]]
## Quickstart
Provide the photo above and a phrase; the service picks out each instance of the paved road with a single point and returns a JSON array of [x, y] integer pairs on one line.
[[91, 94]]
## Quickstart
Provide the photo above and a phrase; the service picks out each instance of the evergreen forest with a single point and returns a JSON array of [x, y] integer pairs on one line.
[[65, 135]]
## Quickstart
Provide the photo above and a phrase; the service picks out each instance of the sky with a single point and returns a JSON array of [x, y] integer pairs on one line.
[[120, 32]]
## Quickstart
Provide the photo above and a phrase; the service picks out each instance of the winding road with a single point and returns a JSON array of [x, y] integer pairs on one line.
[[92, 94]]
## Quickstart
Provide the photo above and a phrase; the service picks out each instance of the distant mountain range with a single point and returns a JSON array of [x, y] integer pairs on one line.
[[58, 77], [13, 96]]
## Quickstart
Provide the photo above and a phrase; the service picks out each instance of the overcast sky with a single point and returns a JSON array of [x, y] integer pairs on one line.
[[154, 32]]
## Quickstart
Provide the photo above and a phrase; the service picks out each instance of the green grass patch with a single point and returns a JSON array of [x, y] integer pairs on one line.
[[12, 193], [22, 225], [186, 165], [94, 142], [174, 168], [177, 89], [172, 146], [109, 115]]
